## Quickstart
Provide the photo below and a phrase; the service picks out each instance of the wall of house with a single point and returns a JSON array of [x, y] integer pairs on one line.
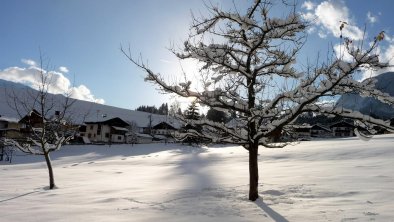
[[320, 133], [3, 124], [342, 131], [10, 130], [144, 140], [116, 138], [162, 131], [95, 135]]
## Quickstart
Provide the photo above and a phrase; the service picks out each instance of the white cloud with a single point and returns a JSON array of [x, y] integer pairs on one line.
[[322, 34], [328, 15], [342, 53], [371, 18], [63, 69], [59, 84], [311, 30], [309, 16], [83, 93], [29, 62], [386, 56], [308, 5]]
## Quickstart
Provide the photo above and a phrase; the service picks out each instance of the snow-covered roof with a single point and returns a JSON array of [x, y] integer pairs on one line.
[[160, 137], [9, 119], [143, 135], [322, 127], [120, 128], [303, 126]]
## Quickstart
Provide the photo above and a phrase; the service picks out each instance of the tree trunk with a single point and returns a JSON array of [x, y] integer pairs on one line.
[[253, 172], [50, 171]]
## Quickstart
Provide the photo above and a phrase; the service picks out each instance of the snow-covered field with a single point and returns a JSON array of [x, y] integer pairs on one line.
[[333, 180]]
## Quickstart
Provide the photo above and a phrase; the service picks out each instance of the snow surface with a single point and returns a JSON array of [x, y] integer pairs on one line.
[[332, 180]]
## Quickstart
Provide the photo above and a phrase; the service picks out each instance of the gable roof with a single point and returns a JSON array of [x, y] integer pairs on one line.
[[32, 115], [320, 127], [9, 119], [342, 123], [112, 122], [163, 125]]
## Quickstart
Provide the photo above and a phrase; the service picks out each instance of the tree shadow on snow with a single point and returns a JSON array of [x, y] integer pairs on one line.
[[86, 153], [272, 213]]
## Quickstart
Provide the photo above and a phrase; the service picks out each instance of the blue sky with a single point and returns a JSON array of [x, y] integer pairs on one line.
[[81, 40]]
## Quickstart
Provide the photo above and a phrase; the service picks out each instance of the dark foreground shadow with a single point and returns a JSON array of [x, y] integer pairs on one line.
[[273, 214]]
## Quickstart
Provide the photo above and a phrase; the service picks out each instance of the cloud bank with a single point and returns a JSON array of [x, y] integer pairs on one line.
[[327, 16], [59, 84]]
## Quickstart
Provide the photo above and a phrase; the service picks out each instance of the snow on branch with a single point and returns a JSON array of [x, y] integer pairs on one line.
[[250, 57]]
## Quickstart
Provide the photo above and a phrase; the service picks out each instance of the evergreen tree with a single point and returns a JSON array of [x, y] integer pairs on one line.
[[216, 115], [192, 111]]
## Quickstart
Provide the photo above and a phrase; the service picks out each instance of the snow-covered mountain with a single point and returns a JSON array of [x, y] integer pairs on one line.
[[84, 110], [371, 106]]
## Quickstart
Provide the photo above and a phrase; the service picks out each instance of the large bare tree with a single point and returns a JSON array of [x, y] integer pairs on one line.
[[247, 62], [46, 118]]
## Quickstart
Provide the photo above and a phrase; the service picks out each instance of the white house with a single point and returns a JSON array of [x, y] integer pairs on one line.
[[107, 131]]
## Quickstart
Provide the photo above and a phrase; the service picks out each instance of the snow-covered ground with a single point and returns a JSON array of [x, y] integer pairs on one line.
[[332, 180]]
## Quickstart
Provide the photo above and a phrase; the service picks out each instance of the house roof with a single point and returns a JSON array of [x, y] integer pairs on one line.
[[120, 128], [111, 122], [342, 123], [318, 126], [143, 135], [31, 116], [9, 119], [163, 125]]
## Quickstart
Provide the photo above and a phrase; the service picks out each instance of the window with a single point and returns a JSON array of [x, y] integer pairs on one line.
[[106, 135], [98, 129], [119, 137], [91, 127], [82, 134], [89, 135]]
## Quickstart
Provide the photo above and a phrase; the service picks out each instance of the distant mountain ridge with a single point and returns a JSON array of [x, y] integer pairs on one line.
[[6, 83], [85, 111], [372, 106]]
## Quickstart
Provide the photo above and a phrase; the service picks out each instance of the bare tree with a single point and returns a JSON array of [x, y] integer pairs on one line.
[[175, 109], [247, 67], [47, 119]]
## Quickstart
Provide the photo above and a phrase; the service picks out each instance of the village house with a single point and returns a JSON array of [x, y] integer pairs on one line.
[[342, 129], [9, 127], [111, 130], [31, 121], [320, 131], [301, 132], [163, 128]]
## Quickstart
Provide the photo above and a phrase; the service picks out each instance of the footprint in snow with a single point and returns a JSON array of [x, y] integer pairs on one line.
[[91, 162]]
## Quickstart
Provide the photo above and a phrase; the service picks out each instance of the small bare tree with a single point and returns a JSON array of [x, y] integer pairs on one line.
[[46, 119], [247, 67]]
